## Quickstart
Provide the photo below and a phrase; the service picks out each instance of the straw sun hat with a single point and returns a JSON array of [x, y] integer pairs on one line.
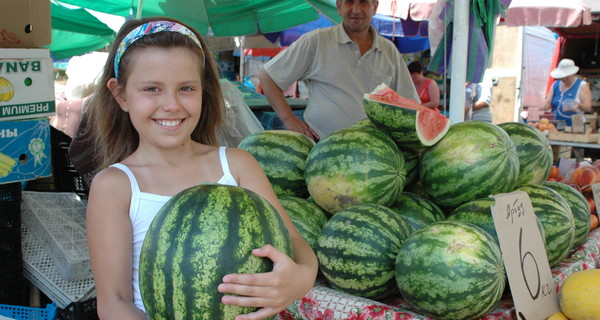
[[566, 67]]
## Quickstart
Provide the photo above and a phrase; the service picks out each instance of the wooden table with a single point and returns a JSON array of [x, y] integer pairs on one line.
[[578, 149], [258, 102], [261, 104], [575, 144]]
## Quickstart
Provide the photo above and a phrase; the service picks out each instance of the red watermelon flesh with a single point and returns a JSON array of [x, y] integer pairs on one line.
[[387, 95], [430, 125]]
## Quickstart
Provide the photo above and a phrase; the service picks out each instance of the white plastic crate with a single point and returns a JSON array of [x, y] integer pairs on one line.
[[41, 271], [57, 221]]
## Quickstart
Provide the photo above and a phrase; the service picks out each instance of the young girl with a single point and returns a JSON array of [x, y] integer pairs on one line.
[[153, 125]]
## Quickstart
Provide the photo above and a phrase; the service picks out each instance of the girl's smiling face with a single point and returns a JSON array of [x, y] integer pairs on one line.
[[163, 95]]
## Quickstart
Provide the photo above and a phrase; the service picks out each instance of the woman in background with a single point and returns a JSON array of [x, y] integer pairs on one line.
[[569, 94], [427, 88]]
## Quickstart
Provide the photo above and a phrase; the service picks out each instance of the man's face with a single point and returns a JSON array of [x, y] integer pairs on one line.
[[356, 14]]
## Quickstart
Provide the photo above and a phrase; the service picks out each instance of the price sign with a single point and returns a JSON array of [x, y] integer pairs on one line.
[[596, 192], [524, 255], [578, 123]]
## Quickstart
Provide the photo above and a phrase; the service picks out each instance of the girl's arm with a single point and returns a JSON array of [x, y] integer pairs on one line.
[[109, 236], [290, 279]]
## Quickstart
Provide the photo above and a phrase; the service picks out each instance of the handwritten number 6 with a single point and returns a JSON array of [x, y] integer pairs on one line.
[[523, 256]]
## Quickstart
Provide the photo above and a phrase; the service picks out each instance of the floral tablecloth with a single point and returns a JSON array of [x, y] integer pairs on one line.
[[325, 303]]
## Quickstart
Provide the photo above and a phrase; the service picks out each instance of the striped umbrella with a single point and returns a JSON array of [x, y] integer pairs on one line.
[[482, 20], [75, 31], [224, 18]]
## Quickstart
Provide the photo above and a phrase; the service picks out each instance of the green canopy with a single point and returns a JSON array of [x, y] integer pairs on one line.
[[76, 31], [67, 44], [223, 17]]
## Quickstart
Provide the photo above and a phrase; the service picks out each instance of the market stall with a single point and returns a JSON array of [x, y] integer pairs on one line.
[[370, 166], [323, 302]]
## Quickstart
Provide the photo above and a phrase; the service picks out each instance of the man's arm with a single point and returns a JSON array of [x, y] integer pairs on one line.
[[484, 93], [276, 99]]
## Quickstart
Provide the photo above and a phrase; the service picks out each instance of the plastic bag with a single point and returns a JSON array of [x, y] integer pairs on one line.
[[83, 73], [239, 121]]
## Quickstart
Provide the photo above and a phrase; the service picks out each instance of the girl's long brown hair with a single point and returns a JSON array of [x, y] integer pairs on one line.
[[110, 129]]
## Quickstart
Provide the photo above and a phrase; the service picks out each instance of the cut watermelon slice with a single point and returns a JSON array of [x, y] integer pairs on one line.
[[410, 124]]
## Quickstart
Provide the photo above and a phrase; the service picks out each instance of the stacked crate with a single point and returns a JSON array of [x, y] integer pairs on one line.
[[13, 288], [26, 99]]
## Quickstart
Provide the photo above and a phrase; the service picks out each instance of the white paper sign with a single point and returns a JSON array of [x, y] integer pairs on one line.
[[578, 123], [524, 254], [596, 193], [566, 165]]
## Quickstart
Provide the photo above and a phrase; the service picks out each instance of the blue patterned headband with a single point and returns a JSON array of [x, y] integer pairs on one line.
[[150, 28]]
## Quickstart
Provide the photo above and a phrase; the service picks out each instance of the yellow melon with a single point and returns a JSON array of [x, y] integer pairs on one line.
[[557, 316], [580, 294]]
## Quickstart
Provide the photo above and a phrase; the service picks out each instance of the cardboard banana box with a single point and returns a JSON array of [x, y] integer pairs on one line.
[[24, 150]]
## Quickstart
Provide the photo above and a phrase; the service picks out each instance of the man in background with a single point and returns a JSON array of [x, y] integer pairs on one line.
[[477, 100], [339, 65]]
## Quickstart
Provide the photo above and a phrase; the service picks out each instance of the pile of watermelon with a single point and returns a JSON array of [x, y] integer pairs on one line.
[[399, 203]]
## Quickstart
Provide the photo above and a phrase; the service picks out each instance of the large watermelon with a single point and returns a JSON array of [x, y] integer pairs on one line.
[[417, 210], [282, 155], [410, 124], [357, 250], [200, 235], [364, 123], [479, 213], [450, 270], [307, 217], [534, 151], [579, 207], [417, 187], [352, 166], [556, 217], [411, 159], [474, 159]]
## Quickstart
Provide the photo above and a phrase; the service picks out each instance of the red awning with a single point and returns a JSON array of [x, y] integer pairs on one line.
[[548, 13], [417, 10], [267, 52]]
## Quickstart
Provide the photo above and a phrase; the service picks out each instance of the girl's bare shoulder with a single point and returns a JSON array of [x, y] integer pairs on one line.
[[111, 179], [237, 156]]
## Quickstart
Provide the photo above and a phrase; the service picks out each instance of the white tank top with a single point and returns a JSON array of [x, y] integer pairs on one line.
[[142, 210]]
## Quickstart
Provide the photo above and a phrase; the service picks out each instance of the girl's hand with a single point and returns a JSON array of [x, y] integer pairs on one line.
[[270, 291]]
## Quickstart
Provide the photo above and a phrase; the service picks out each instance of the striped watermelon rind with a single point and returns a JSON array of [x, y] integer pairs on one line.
[[366, 122], [198, 236], [411, 159], [579, 207], [556, 217], [282, 155], [352, 166], [417, 210], [474, 160], [534, 151], [357, 250], [479, 213], [307, 217], [405, 125], [450, 270]]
